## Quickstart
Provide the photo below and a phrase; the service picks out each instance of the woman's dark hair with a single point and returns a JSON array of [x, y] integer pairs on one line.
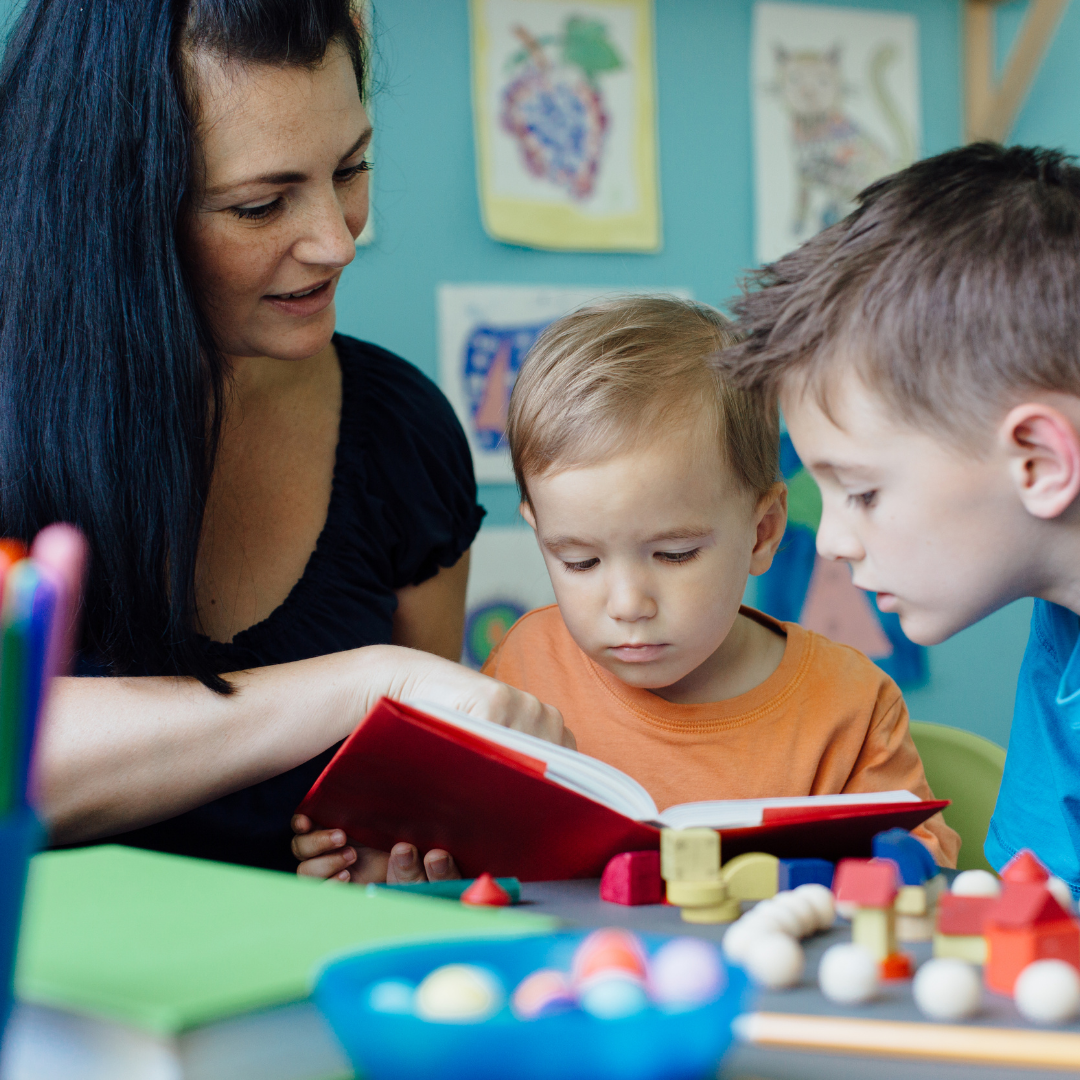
[[109, 376]]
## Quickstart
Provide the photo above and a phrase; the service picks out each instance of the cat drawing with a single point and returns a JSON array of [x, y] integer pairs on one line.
[[835, 158]]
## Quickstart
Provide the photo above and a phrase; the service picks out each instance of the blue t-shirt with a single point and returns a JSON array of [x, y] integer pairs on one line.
[[1038, 806]]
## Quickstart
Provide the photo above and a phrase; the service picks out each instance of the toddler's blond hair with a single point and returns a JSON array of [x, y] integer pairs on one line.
[[604, 378]]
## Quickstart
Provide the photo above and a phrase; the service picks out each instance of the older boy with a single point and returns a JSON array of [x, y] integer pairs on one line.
[[652, 487], [926, 354]]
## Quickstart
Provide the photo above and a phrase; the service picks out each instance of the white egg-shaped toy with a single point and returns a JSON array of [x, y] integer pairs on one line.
[[801, 908], [823, 901], [947, 989], [975, 883], [1048, 992], [775, 961], [739, 936], [685, 973], [1061, 892], [785, 920], [848, 974], [458, 993]]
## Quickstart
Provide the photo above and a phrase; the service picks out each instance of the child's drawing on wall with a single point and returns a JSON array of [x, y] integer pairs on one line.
[[836, 107], [565, 122], [485, 333]]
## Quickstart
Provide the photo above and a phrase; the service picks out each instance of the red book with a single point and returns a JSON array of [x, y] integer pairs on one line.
[[512, 805]]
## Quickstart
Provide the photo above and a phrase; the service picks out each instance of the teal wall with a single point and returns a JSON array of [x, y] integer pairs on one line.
[[428, 224]]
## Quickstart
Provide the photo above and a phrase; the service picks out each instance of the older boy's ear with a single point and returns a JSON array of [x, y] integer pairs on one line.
[[771, 522], [1043, 451], [525, 510]]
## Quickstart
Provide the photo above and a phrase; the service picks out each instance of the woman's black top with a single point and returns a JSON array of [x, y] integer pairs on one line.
[[403, 504]]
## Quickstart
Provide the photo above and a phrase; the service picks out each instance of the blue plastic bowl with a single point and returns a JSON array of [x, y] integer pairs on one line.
[[652, 1045]]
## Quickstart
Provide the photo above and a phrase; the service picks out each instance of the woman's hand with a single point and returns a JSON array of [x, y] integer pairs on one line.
[[326, 853], [421, 676]]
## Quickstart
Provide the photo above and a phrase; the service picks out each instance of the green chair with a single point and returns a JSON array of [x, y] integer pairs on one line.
[[967, 769]]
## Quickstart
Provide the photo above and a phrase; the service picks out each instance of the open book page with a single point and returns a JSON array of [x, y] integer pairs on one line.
[[746, 813], [586, 775]]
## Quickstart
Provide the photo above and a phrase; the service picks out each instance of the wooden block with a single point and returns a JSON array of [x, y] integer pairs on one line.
[[725, 912], [1009, 951], [911, 900], [969, 947], [753, 876], [690, 855], [912, 928], [696, 893], [875, 930], [796, 872], [633, 878]]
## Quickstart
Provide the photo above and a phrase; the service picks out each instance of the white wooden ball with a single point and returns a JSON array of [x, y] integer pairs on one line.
[[823, 901], [947, 989], [786, 920], [1048, 992], [801, 908], [848, 974], [975, 883], [775, 961]]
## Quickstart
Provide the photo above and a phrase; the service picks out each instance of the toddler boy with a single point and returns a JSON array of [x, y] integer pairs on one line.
[[926, 354], [652, 486]]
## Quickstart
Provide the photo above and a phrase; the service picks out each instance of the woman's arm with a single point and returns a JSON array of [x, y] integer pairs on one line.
[[118, 753], [431, 616]]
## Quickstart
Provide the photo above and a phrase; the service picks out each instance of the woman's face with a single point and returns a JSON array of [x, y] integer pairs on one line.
[[284, 195]]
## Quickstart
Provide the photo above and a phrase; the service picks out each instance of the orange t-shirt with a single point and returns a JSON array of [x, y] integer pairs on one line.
[[825, 721]]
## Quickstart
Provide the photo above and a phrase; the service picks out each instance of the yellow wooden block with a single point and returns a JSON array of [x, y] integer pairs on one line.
[[690, 855], [875, 930], [696, 893], [727, 911], [911, 928], [969, 947], [911, 900], [753, 876]]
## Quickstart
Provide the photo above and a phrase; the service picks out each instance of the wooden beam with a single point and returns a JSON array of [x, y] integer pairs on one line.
[[991, 108]]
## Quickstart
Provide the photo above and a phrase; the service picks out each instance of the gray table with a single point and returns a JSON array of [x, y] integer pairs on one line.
[[579, 903]]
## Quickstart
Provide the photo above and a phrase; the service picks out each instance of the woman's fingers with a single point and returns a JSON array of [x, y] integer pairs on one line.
[[404, 866], [309, 845], [328, 866], [435, 679], [440, 866]]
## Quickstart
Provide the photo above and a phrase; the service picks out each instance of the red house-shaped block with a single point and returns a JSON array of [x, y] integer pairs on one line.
[[870, 883], [1026, 924]]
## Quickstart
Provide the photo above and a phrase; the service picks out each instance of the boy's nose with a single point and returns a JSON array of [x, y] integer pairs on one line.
[[835, 540], [629, 602]]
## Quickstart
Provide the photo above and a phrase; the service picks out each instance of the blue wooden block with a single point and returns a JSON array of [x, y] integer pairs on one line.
[[796, 872], [914, 859]]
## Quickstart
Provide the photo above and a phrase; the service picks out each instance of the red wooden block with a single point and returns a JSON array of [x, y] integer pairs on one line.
[[963, 915], [871, 883], [896, 966], [633, 878], [1024, 867], [485, 891], [1026, 924]]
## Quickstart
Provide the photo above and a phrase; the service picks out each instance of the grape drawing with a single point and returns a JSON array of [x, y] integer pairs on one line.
[[554, 106]]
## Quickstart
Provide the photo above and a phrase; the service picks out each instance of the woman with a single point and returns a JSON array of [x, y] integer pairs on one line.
[[273, 511]]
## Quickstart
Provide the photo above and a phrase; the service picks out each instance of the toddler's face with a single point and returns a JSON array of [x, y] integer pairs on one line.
[[936, 533], [649, 554]]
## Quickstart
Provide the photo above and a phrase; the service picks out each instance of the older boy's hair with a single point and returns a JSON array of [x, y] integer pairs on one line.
[[600, 380], [952, 290]]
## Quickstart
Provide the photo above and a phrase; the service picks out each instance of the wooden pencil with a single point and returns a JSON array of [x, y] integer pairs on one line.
[[898, 1038]]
